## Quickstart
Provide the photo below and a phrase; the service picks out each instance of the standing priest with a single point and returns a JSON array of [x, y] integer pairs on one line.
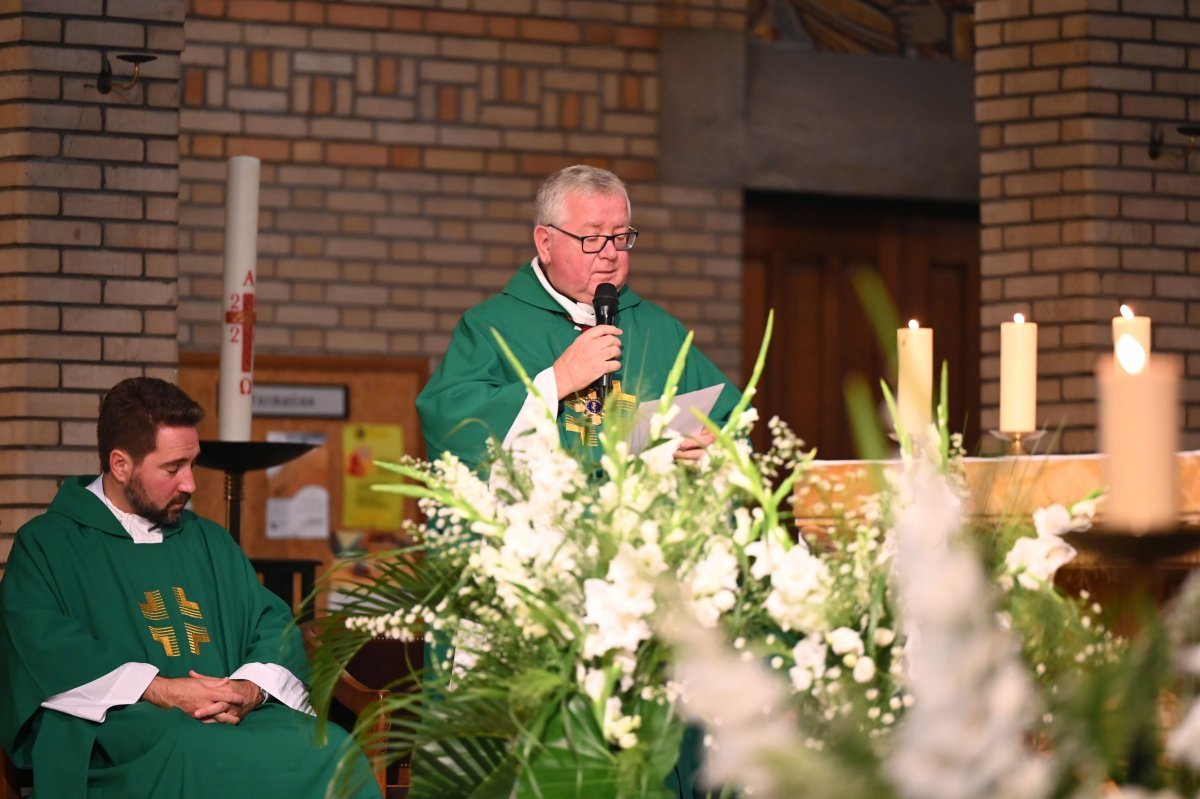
[[139, 654], [546, 316]]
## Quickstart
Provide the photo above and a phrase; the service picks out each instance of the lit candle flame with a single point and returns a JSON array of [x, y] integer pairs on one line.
[[1126, 311], [912, 324], [1130, 354], [1019, 318]]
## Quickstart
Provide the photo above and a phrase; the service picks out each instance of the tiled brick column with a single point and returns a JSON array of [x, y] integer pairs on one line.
[[1077, 215], [88, 230], [401, 150]]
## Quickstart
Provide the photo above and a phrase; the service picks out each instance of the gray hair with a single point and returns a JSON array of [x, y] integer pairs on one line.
[[578, 179]]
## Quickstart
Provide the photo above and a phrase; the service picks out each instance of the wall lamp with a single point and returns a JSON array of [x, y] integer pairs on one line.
[[1156, 146], [104, 83]]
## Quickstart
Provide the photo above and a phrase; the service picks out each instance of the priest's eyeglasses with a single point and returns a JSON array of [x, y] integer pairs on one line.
[[594, 244]]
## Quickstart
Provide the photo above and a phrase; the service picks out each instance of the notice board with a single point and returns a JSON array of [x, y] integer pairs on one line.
[[360, 406]]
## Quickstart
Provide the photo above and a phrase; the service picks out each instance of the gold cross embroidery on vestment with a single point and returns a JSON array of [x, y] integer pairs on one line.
[[155, 609]]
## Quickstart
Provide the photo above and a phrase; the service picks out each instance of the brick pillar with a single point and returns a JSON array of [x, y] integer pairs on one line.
[[1077, 216], [88, 229]]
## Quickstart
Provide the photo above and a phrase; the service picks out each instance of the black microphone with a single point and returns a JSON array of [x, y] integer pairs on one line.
[[604, 301]]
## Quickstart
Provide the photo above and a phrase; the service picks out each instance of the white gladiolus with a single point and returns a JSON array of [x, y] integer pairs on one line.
[[1052, 520], [615, 615], [616, 607], [769, 551], [809, 656], [660, 460], [747, 419], [799, 586], [595, 684], [743, 527], [741, 704], [1035, 561], [1183, 743], [712, 583], [966, 737], [1082, 512], [659, 422]]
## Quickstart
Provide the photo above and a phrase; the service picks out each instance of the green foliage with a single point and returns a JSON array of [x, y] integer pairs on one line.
[[1108, 716]]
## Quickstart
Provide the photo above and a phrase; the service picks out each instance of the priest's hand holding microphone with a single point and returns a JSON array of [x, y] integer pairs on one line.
[[596, 354]]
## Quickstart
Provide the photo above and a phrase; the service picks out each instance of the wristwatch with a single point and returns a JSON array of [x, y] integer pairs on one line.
[[263, 696]]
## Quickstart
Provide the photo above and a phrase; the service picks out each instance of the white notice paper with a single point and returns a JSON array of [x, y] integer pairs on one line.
[[297, 496], [685, 421]]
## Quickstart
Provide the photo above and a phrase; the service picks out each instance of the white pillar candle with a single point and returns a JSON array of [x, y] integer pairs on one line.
[[234, 400], [1139, 429], [1018, 376], [1136, 326], [914, 384]]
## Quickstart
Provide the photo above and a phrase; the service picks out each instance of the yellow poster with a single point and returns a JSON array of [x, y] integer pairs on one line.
[[362, 507]]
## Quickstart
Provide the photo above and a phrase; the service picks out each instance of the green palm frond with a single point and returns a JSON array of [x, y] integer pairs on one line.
[[460, 748]]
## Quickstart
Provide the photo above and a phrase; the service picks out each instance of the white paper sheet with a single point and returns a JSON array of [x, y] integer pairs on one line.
[[685, 421]]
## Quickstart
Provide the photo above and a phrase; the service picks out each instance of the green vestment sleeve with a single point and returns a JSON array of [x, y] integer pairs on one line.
[[473, 396], [44, 651]]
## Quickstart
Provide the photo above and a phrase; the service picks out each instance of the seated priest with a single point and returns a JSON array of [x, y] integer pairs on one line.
[[545, 313], [139, 654]]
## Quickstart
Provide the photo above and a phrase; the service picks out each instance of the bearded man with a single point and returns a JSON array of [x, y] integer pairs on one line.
[[139, 654]]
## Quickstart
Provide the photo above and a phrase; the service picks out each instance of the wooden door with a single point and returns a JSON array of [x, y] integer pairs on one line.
[[800, 255]]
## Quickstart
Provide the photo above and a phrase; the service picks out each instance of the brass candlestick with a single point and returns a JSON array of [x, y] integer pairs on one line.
[[1014, 443]]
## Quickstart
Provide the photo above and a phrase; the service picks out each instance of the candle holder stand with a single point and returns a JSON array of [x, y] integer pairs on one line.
[[1139, 549], [1014, 443], [1142, 570], [235, 458]]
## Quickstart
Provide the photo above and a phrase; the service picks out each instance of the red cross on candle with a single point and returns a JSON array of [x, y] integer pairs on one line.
[[245, 318]]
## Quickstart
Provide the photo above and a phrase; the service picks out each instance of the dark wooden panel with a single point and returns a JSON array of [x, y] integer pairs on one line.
[[800, 255]]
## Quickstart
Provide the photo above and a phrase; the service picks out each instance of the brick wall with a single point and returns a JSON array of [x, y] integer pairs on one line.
[[401, 151], [1077, 215], [88, 230]]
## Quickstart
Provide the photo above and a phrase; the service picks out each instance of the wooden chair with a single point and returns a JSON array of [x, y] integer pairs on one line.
[[291, 579], [380, 663], [14, 782]]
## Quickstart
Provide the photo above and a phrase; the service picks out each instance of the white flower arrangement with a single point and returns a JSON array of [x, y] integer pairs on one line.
[[543, 591]]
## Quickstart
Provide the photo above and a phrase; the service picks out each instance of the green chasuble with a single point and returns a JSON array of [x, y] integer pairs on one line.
[[79, 599], [477, 385]]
